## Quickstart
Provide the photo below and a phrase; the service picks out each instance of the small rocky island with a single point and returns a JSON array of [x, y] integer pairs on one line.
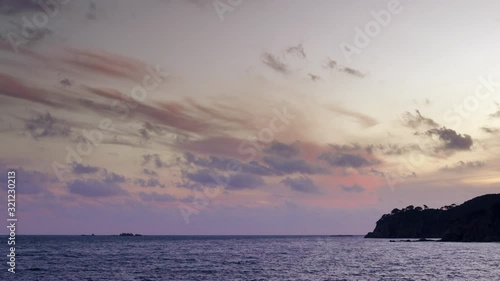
[[129, 234], [477, 220]]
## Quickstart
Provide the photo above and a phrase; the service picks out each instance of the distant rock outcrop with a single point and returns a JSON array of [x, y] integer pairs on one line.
[[129, 234], [477, 220]]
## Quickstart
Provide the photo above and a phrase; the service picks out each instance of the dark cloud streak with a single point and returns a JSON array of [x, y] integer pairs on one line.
[[274, 63], [301, 184]]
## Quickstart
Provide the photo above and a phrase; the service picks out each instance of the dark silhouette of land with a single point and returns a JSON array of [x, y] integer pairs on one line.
[[476, 220]]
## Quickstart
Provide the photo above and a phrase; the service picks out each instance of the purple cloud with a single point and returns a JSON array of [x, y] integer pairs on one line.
[[355, 188], [27, 181], [149, 183], [234, 181], [302, 184], [289, 166], [156, 197], [78, 168], [229, 165], [451, 139], [95, 188], [345, 159], [282, 149]]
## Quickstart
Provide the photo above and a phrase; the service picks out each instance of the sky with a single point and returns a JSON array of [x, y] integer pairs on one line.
[[245, 117]]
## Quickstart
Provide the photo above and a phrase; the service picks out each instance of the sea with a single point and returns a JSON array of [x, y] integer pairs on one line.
[[280, 258]]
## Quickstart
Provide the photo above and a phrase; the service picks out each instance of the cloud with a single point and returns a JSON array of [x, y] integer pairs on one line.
[[496, 114], [301, 184], [78, 168], [106, 63], [186, 116], [95, 188], [116, 140], [149, 183], [92, 11], [417, 120], [361, 118], [228, 164], [346, 160], [330, 64], [180, 117], [377, 173], [462, 166], [149, 172], [28, 181], [9, 7], [244, 181], [451, 139], [392, 149], [87, 104], [226, 113], [66, 82], [297, 50], [156, 197], [349, 156], [37, 34], [44, 125], [222, 145], [15, 88], [282, 149], [289, 166], [204, 177], [353, 188], [279, 161], [274, 63], [353, 72], [148, 128], [490, 130], [155, 160], [111, 177], [233, 181], [99, 173], [352, 148], [314, 77]]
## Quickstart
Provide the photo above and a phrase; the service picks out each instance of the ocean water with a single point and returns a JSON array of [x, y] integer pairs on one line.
[[280, 258]]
